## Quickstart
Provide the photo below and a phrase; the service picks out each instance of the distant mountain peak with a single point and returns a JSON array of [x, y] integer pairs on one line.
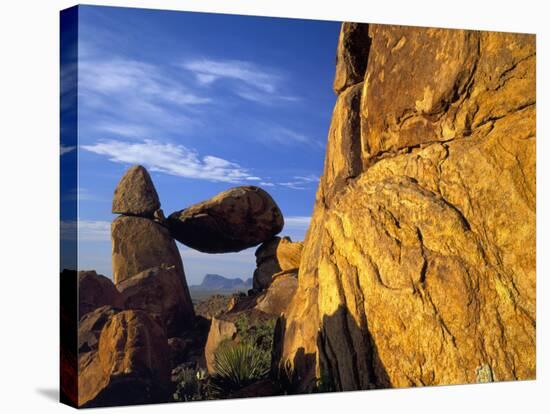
[[213, 281]]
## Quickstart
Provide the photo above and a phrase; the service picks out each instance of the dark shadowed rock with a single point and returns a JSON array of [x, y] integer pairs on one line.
[[131, 365], [139, 244], [95, 291], [262, 388], [179, 348], [231, 221], [162, 292], [353, 48], [135, 194]]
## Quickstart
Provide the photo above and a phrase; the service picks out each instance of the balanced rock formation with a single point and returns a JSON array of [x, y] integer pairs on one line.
[[95, 291], [135, 194], [419, 264], [160, 292], [231, 221], [274, 256], [130, 366]]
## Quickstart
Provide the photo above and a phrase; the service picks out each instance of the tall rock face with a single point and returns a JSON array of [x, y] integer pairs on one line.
[[419, 264]]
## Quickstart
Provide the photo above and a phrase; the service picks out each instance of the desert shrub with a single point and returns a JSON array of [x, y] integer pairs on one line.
[[192, 385], [258, 335], [237, 365]]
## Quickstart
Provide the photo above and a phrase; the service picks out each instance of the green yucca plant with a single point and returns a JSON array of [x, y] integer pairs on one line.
[[237, 365]]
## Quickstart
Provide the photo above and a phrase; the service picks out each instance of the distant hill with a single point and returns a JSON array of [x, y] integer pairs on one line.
[[220, 284]]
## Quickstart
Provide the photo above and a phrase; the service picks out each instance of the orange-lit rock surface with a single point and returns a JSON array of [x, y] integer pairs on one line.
[[419, 264]]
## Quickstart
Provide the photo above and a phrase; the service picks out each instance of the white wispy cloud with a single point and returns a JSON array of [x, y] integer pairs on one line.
[[130, 98], [300, 182], [82, 194], [126, 76], [66, 149], [127, 130], [267, 184], [251, 81], [276, 135], [86, 230], [208, 71], [172, 159]]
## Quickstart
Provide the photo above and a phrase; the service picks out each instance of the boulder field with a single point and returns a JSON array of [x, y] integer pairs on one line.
[[134, 332]]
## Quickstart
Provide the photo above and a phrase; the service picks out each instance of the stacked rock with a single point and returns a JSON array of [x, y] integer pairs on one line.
[[124, 328], [147, 266], [276, 257]]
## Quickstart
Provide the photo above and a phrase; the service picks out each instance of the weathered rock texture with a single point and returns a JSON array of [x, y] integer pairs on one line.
[[95, 291], [130, 366], [139, 244], [135, 194], [231, 221], [273, 256], [280, 292], [90, 326], [161, 292], [220, 330], [419, 264]]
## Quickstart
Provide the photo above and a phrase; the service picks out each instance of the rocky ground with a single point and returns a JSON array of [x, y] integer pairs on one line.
[[142, 340]]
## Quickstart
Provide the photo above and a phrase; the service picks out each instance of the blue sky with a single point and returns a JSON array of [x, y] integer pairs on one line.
[[205, 102]]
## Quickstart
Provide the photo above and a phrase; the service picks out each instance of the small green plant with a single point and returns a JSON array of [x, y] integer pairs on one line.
[[237, 365], [258, 335], [192, 385]]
